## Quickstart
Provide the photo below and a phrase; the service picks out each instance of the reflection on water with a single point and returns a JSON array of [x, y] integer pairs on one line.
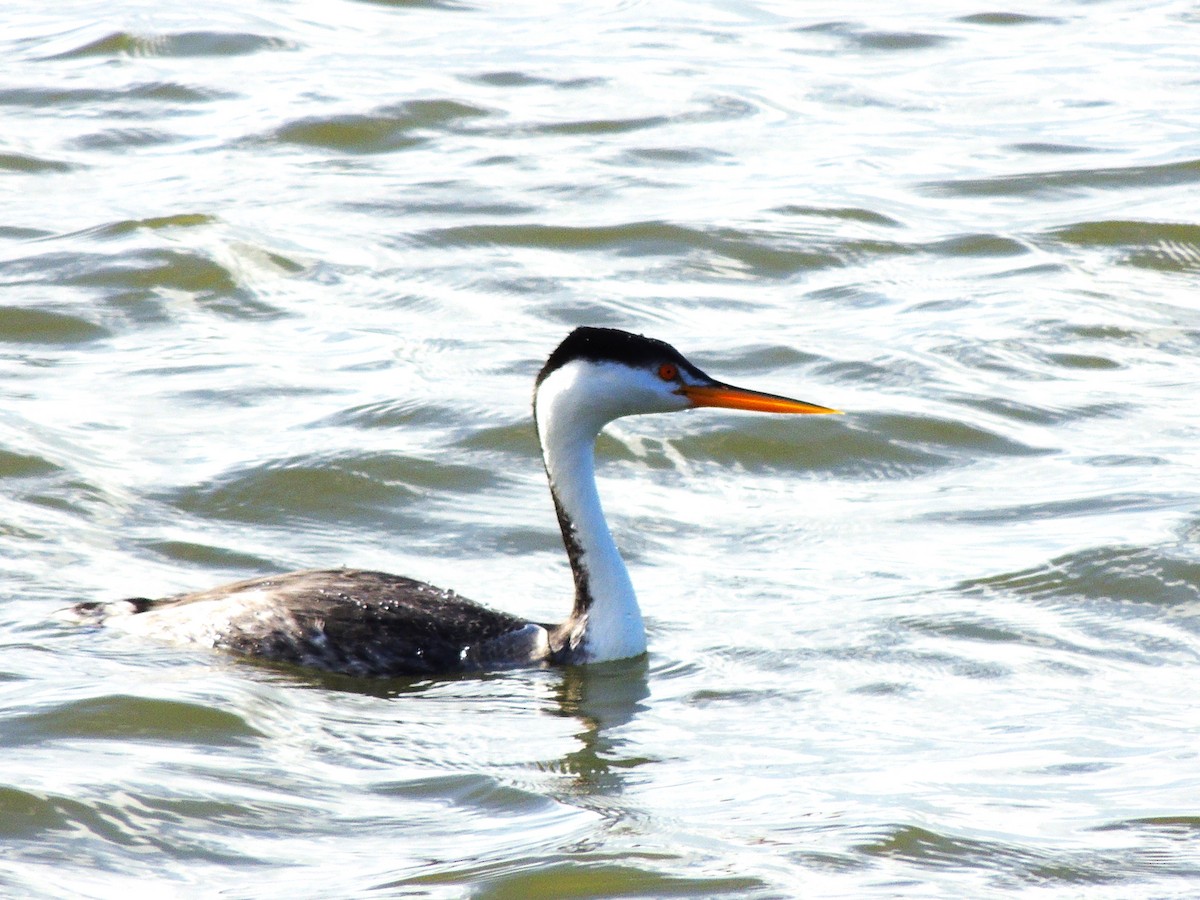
[[275, 289], [603, 698]]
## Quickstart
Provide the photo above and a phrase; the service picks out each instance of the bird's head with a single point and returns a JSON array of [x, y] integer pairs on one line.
[[605, 373], [600, 374]]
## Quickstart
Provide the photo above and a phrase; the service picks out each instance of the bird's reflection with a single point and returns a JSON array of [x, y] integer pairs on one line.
[[603, 698]]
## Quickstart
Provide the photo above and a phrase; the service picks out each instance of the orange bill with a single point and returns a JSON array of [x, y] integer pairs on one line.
[[730, 397]]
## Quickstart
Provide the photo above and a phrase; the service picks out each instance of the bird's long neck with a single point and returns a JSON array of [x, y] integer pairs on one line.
[[606, 622]]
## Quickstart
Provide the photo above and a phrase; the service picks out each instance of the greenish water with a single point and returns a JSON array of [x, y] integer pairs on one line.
[[276, 281]]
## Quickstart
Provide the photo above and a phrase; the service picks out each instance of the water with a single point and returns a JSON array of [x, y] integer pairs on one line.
[[276, 282]]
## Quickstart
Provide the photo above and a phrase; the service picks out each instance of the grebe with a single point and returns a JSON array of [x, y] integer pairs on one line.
[[361, 622]]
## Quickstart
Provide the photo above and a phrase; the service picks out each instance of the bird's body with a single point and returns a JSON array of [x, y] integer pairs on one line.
[[362, 622], [353, 621]]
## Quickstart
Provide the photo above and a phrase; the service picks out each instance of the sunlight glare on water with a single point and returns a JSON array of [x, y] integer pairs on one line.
[[277, 281]]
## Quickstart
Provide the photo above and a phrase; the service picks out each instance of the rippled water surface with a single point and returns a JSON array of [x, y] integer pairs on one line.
[[276, 280]]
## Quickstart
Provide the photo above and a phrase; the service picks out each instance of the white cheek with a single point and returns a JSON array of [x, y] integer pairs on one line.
[[589, 395]]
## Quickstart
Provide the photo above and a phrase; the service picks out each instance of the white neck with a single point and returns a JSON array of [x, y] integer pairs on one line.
[[606, 622]]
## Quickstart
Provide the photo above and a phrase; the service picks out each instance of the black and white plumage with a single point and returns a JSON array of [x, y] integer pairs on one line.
[[362, 622]]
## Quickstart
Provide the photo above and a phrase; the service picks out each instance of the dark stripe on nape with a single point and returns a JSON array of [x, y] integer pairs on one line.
[[613, 345]]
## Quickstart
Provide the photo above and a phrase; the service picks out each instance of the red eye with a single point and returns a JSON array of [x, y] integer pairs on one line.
[[668, 372]]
